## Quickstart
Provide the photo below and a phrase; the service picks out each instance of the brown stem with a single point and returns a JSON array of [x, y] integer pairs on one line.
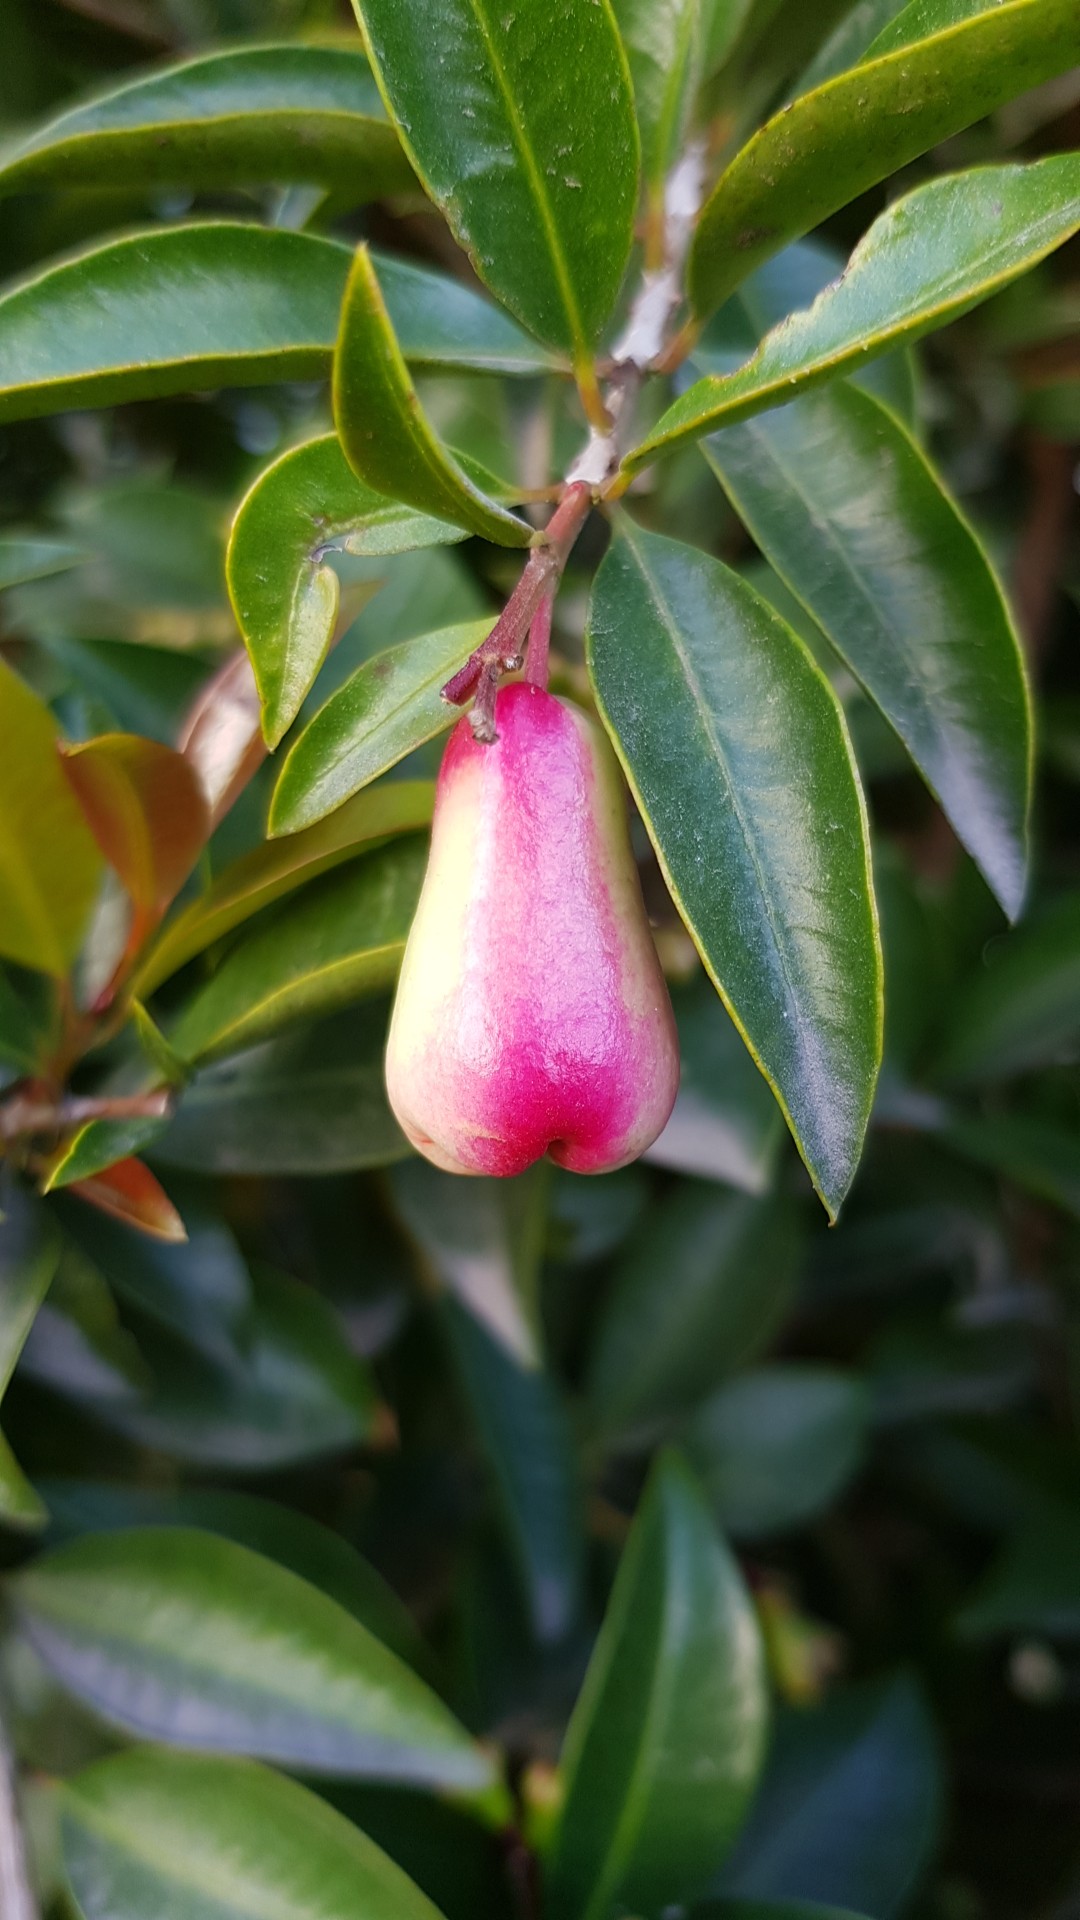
[[24, 1113], [538, 655]]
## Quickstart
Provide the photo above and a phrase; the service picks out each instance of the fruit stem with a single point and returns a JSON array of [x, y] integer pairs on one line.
[[539, 649]]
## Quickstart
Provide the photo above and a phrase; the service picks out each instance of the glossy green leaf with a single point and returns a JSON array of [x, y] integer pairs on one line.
[[833, 144], [1021, 1010], [777, 1445], [391, 704], [309, 1102], [268, 303], [760, 828], [850, 1806], [29, 1252], [666, 1742], [520, 124], [31, 557], [849, 511], [481, 1240], [928, 258], [525, 1432], [49, 863], [287, 113], [385, 434], [919, 18], [154, 1832], [99, 1145], [663, 41], [341, 942], [285, 595], [1033, 1585], [724, 1124], [701, 1288], [276, 869], [185, 1637]]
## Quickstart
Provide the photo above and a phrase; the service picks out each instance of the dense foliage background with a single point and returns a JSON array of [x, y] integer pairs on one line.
[[339, 1489]]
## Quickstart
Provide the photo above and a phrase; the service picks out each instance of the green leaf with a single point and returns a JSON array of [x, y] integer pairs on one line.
[[153, 1832], [666, 1742], [520, 124], [275, 869], [831, 145], [185, 1637], [922, 17], [391, 704], [777, 1445], [663, 41], [1022, 1009], [285, 595], [49, 864], [482, 1240], [309, 1102], [200, 1290], [702, 1287], [763, 840], [29, 1252], [385, 434], [99, 1145], [29, 557], [725, 1124], [1041, 1155], [29, 1018], [268, 301], [850, 39], [770, 1910], [850, 1806], [286, 113], [1033, 1585], [525, 1432], [849, 511], [931, 256], [341, 942]]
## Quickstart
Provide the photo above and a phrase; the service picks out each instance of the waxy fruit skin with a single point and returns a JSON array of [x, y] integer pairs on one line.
[[531, 1014]]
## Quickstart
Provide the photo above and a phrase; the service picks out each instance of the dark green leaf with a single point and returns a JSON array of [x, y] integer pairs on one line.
[[385, 435], [849, 40], [153, 1832], [850, 1805], [341, 942], [482, 1240], [309, 1102], [835, 143], [288, 113], [666, 1742], [307, 505], [724, 1125], [520, 124], [663, 41], [200, 1290], [268, 310], [391, 704], [847, 508], [99, 1145], [928, 258], [762, 838], [29, 1018], [777, 1445], [1033, 1585], [189, 1638], [1022, 1009], [29, 1252], [1041, 1155], [31, 557], [701, 1288], [270, 871], [49, 863]]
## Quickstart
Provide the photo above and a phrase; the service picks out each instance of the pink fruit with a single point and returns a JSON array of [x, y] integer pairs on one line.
[[531, 1015]]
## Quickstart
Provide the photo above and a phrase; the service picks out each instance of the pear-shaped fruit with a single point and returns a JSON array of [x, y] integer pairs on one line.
[[531, 1014]]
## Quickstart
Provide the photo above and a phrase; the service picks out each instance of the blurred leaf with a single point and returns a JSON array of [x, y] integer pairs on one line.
[[521, 127], [833, 144], [914, 21], [1022, 1009], [931, 256], [99, 1146], [769, 1910], [268, 310], [725, 1124], [154, 1832], [29, 1252], [200, 1290], [77, 1344], [49, 864], [482, 1240], [310, 1102], [666, 1742], [700, 1290], [391, 704], [663, 41], [1038, 1154], [306, 505], [146, 809], [850, 39], [29, 1018], [341, 942], [850, 1806], [856, 522], [275, 869], [188, 1638], [777, 1445], [526, 1435], [127, 1190], [925, 1365], [143, 689], [591, 1215], [385, 435], [456, 1862], [284, 113], [221, 735], [763, 844], [1033, 1585], [32, 557]]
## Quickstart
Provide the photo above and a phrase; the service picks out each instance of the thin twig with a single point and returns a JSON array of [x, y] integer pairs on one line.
[[25, 1115]]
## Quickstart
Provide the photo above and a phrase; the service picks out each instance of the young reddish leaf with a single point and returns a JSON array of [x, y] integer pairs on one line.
[[129, 1192], [49, 865], [145, 806], [222, 736]]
